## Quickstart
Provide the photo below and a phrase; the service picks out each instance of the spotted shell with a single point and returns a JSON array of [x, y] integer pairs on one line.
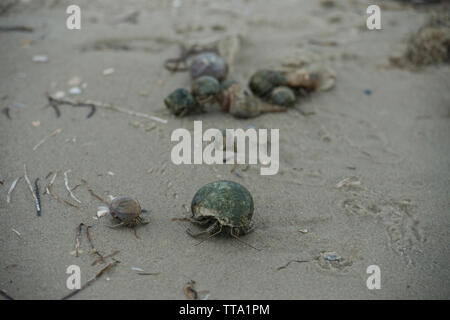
[[181, 102], [282, 96], [262, 82]]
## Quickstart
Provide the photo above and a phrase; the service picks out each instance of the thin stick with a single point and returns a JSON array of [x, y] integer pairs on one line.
[[11, 189], [7, 296], [239, 239], [38, 196], [54, 196], [93, 193], [101, 259], [78, 239], [54, 133], [90, 281], [66, 182], [96, 104], [93, 250], [38, 207], [289, 262]]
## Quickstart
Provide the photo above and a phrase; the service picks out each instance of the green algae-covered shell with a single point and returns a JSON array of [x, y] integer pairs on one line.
[[282, 96], [227, 201], [181, 102], [227, 83], [262, 82], [205, 87], [208, 64], [125, 209]]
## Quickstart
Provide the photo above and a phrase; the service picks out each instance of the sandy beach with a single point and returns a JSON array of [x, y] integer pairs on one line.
[[364, 175]]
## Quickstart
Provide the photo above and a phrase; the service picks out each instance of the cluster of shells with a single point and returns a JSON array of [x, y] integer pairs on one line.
[[270, 90]]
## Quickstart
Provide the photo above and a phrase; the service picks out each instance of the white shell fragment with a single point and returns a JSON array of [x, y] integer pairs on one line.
[[75, 90], [108, 71], [40, 58], [101, 211]]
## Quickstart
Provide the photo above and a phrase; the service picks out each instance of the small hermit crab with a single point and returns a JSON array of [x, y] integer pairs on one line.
[[242, 104], [181, 102], [208, 64], [128, 211], [225, 206], [206, 90]]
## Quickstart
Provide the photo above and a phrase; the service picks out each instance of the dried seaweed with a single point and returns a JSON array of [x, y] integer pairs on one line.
[[78, 239], [102, 258], [95, 104], [66, 182], [11, 189], [189, 291], [54, 196], [93, 193], [93, 250], [90, 281], [54, 133], [18, 28], [38, 206], [4, 294], [289, 262]]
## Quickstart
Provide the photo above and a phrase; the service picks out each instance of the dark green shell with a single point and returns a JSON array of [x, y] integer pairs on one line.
[[181, 102], [282, 96], [262, 82], [205, 88], [226, 201]]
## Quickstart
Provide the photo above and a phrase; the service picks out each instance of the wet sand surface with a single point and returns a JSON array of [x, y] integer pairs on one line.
[[393, 139]]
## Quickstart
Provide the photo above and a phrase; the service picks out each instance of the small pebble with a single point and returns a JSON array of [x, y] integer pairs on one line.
[[75, 90], [108, 71], [368, 92], [332, 256], [40, 58]]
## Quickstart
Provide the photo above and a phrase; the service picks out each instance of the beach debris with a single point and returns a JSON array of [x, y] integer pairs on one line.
[[429, 45], [37, 201], [128, 211], [303, 230], [223, 206], [54, 133], [17, 28], [38, 196], [93, 250], [108, 71], [78, 239], [35, 123], [208, 64], [5, 295], [95, 104], [181, 103], [75, 91], [241, 104], [348, 182], [11, 189], [90, 281], [189, 291], [331, 256], [102, 258], [54, 196], [91, 191], [289, 262], [101, 211], [16, 232], [66, 182], [5, 111], [40, 58]]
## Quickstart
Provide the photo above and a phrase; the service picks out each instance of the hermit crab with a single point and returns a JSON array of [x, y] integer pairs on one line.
[[206, 90], [242, 104], [282, 96], [224, 206], [181, 102], [128, 211], [208, 64]]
